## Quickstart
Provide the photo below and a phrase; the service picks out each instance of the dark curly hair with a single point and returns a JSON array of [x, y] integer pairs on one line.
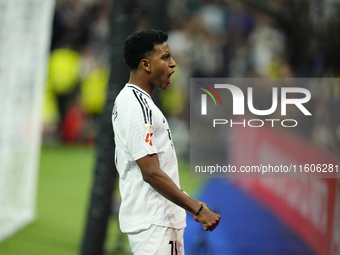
[[138, 44]]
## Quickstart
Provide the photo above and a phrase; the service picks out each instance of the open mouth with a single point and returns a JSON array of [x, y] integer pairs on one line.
[[169, 79]]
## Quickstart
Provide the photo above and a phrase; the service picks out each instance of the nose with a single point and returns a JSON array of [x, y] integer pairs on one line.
[[172, 63]]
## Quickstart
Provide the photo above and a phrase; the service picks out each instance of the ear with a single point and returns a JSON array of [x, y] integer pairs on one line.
[[145, 65]]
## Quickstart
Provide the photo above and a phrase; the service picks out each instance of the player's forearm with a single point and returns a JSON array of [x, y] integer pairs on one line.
[[164, 185]]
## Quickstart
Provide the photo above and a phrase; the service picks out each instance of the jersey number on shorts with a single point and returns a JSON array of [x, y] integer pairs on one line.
[[172, 247]]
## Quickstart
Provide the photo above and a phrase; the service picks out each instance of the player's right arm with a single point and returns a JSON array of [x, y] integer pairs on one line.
[[163, 184]]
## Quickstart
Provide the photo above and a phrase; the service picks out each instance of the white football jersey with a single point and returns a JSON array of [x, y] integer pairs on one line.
[[140, 128]]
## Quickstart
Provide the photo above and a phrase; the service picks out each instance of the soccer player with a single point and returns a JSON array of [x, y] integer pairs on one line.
[[152, 211]]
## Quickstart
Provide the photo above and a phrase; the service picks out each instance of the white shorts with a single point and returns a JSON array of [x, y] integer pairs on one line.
[[157, 241]]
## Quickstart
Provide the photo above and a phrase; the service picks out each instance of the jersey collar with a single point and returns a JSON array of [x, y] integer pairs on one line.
[[138, 88]]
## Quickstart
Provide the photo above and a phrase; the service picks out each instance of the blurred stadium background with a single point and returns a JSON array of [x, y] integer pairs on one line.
[[58, 58]]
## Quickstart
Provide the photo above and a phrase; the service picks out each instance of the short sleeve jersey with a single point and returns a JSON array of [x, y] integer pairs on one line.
[[140, 129]]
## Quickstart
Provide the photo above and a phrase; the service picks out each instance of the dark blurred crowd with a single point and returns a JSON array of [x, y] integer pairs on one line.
[[249, 39], [78, 71]]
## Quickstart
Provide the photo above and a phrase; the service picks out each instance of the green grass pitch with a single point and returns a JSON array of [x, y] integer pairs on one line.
[[65, 181]]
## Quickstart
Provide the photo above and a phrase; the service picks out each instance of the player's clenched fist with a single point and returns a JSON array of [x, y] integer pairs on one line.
[[209, 219]]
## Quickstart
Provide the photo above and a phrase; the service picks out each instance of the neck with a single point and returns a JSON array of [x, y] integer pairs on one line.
[[141, 81]]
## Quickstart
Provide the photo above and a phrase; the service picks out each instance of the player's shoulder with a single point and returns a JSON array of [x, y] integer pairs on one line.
[[132, 96], [123, 96], [136, 91]]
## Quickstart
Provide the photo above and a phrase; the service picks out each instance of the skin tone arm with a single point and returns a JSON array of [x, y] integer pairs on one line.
[[163, 184]]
